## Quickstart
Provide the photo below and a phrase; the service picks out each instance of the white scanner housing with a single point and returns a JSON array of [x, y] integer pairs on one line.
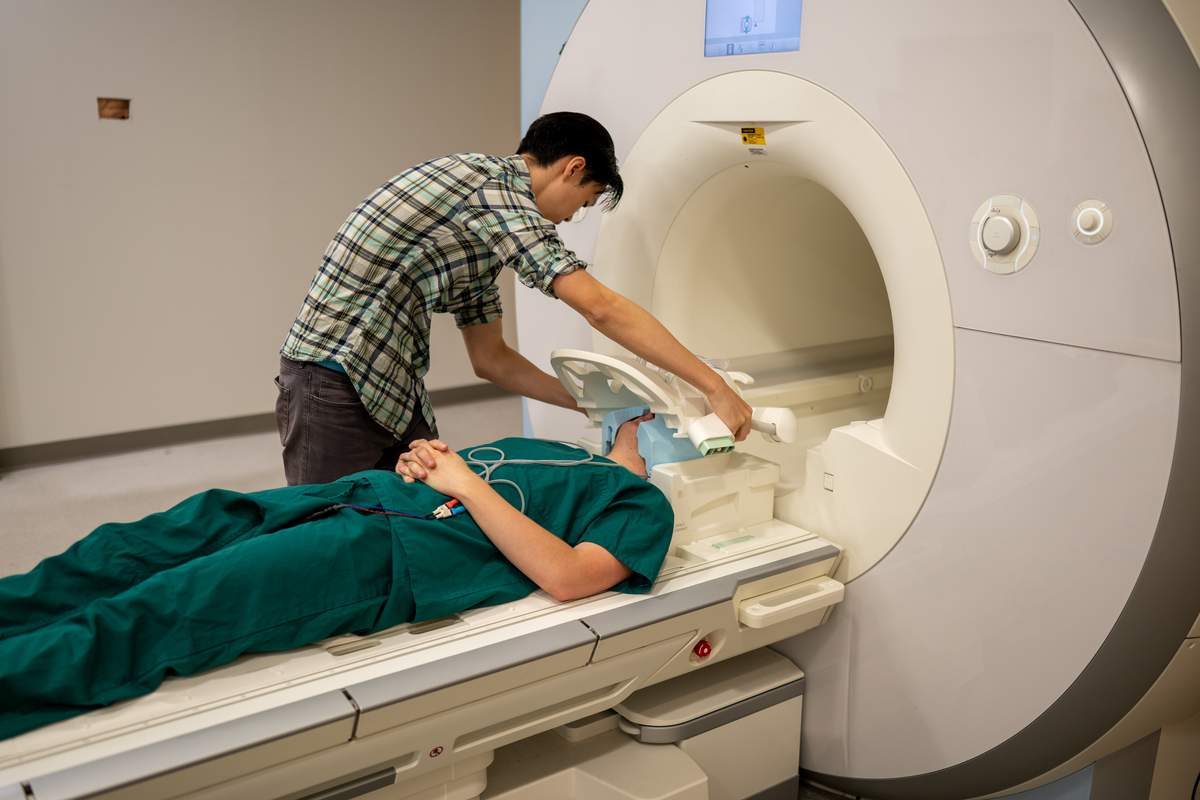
[[963, 257]]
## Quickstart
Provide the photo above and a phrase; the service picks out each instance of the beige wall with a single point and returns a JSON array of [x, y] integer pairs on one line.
[[150, 268]]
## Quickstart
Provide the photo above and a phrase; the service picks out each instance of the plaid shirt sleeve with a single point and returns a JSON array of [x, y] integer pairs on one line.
[[508, 222], [483, 309]]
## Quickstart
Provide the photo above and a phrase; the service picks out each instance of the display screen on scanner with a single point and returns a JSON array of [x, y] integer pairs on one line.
[[742, 27]]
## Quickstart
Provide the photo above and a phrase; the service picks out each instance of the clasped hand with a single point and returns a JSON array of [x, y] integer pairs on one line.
[[432, 462]]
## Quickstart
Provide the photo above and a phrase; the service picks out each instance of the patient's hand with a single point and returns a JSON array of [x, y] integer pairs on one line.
[[433, 463], [418, 445]]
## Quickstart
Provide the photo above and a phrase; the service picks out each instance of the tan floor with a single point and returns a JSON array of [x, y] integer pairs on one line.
[[44, 509]]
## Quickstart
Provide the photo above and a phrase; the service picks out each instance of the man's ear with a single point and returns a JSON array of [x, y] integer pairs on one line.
[[575, 167]]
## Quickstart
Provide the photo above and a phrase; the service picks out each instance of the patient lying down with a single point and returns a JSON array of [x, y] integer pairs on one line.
[[225, 573]]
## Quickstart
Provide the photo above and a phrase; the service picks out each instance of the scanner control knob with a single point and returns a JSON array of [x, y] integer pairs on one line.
[[702, 649], [1004, 234], [1090, 221], [1000, 234]]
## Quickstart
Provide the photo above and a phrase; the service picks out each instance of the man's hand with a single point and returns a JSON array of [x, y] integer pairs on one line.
[[432, 462], [732, 409]]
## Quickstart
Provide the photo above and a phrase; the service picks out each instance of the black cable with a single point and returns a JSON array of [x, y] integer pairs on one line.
[[363, 509], [1196, 786]]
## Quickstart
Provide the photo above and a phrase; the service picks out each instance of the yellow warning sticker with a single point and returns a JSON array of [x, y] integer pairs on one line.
[[753, 136]]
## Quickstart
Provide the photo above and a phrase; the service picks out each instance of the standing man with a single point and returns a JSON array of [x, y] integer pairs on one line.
[[433, 240]]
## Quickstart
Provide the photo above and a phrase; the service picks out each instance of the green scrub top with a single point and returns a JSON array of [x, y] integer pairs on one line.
[[452, 565]]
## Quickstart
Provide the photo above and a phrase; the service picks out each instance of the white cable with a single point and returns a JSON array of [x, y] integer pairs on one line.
[[491, 465]]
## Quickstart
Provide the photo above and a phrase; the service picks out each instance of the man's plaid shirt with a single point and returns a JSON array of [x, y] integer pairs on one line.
[[430, 240]]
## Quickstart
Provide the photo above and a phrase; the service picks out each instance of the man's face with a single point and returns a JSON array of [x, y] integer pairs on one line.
[[566, 192], [625, 446]]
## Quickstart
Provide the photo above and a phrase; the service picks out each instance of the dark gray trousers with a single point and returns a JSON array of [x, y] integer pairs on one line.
[[326, 431]]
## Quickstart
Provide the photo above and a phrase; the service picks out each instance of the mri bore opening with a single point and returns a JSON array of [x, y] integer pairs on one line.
[[767, 272], [775, 263]]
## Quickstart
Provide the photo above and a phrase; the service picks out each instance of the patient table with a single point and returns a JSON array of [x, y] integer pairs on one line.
[[418, 710]]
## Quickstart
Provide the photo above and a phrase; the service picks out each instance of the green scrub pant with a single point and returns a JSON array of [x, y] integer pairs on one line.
[[219, 575]]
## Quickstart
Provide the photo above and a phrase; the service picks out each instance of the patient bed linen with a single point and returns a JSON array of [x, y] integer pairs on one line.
[[225, 573]]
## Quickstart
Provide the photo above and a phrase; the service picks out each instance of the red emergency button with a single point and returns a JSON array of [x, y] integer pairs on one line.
[[702, 649]]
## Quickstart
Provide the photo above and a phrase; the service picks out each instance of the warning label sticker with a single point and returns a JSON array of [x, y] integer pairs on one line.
[[753, 136]]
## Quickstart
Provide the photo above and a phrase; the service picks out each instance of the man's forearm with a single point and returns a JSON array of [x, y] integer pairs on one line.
[[630, 325], [515, 373], [634, 328]]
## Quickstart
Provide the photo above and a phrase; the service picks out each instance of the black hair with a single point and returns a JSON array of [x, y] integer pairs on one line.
[[569, 133]]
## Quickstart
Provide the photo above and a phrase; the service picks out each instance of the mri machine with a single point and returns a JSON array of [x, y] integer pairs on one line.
[[954, 239], [959, 240]]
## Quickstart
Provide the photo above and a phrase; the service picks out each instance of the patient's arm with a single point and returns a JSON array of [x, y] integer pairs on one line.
[[563, 571]]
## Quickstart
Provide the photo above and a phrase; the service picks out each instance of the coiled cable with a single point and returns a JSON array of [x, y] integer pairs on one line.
[[489, 465]]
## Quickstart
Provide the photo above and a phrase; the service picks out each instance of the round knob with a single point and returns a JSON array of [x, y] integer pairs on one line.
[[1005, 234], [1090, 221], [1000, 234]]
